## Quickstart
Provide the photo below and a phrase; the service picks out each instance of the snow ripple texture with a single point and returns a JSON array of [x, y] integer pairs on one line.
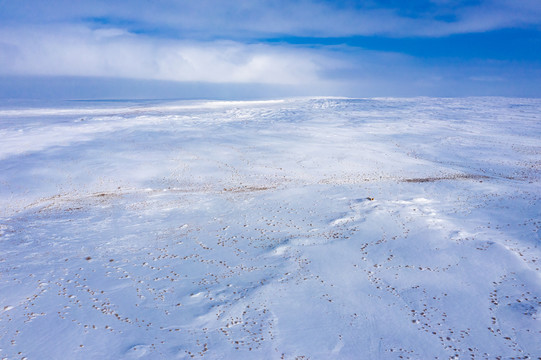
[[290, 229]]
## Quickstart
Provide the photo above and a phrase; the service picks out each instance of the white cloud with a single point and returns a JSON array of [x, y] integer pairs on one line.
[[79, 51], [243, 19], [108, 51]]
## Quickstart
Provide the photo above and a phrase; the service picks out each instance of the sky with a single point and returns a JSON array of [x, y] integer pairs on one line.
[[260, 48]]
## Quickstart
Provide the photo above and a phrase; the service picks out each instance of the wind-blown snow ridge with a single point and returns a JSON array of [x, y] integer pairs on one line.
[[170, 107], [304, 228]]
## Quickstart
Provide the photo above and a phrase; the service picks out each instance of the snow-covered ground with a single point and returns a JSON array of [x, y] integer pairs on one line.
[[300, 228]]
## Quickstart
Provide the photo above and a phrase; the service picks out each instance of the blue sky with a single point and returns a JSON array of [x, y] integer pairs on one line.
[[219, 48]]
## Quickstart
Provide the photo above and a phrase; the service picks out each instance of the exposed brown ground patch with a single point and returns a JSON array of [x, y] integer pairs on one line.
[[242, 189], [448, 177]]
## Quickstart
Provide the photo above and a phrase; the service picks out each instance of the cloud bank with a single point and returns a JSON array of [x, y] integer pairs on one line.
[[256, 42], [79, 51], [255, 18]]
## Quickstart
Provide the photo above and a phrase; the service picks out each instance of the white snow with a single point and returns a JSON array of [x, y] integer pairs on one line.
[[301, 228]]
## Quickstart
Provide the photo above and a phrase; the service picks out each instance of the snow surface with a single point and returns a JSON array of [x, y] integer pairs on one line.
[[247, 230]]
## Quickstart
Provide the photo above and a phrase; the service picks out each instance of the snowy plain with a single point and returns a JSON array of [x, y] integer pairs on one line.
[[319, 228]]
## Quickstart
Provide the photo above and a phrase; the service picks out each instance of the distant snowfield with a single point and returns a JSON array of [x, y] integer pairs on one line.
[[295, 229]]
